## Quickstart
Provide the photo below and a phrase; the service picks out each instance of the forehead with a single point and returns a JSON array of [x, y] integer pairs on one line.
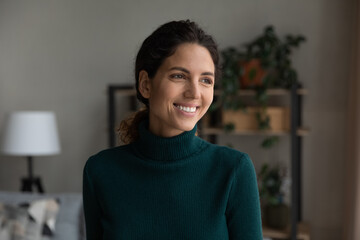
[[191, 56]]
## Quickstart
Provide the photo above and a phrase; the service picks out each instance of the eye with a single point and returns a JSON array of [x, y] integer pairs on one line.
[[206, 81], [177, 76]]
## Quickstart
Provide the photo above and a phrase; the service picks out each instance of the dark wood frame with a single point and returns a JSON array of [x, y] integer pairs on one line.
[[112, 89]]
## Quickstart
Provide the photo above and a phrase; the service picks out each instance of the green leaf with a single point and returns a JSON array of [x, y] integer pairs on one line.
[[230, 145], [270, 141], [252, 74], [229, 127]]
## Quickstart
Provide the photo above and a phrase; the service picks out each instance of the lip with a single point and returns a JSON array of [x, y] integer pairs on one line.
[[187, 104]]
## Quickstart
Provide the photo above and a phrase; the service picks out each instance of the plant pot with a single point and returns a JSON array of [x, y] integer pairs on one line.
[[277, 216], [253, 74]]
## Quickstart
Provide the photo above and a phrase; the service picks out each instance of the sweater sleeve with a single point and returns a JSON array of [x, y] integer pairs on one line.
[[243, 210], [92, 209]]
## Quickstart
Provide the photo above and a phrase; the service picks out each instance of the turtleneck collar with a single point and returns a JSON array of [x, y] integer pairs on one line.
[[167, 149]]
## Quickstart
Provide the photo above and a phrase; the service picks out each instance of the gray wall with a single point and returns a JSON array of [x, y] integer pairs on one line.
[[61, 55]]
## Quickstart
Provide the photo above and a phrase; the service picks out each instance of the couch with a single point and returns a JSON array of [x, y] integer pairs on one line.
[[69, 225]]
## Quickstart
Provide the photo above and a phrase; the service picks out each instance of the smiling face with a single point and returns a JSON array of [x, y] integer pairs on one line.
[[181, 91]]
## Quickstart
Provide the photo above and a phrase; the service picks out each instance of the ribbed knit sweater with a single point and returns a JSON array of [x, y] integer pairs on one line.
[[171, 188]]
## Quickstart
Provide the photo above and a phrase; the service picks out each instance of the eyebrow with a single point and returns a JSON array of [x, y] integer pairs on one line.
[[188, 72]]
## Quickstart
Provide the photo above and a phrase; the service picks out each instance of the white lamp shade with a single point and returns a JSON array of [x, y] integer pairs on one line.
[[31, 134]]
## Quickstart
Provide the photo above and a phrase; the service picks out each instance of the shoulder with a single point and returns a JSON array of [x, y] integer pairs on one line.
[[229, 156], [107, 156], [238, 165]]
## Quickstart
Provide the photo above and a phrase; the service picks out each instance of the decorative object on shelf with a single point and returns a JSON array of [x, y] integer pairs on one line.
[[279, 118], [271, 189], [265, 63], [303, 232], [31, 133]]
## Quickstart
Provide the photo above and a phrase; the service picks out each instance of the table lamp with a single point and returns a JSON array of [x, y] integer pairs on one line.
[[30, 134]]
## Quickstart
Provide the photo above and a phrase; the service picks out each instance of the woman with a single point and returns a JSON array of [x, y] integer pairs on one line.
[[167, 183]]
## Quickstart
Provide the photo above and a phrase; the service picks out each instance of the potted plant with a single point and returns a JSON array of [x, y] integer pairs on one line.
[[272, 190], [268, 57], [264, 63]]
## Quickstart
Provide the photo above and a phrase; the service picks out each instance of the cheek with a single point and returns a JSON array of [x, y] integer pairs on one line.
[[208, 97], [211, 99], [162, 96]]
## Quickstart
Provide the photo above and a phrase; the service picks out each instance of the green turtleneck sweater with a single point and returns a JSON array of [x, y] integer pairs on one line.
[[171, 188]]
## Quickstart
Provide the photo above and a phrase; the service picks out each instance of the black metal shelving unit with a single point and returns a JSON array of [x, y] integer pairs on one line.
[[296, 166]]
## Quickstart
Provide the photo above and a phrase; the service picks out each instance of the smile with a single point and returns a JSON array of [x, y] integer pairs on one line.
[[186, 109]]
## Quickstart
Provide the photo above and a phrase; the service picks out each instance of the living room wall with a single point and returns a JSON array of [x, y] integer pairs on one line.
[[61, 55]]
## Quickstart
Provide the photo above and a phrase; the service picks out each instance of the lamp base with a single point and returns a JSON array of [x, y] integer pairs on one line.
[[28, 183]]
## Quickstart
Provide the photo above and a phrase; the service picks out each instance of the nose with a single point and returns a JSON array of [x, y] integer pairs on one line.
[[192, 90]]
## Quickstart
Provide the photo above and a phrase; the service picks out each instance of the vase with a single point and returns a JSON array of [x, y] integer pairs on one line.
[[277, 216]]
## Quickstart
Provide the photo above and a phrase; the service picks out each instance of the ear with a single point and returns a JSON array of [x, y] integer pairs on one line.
[[144, 84]]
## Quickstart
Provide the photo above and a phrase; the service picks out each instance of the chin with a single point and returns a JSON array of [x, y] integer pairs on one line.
[[187, 127]]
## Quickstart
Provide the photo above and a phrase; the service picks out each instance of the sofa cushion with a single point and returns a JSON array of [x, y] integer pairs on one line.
[[13, 222], [34, 220], [70, 220]]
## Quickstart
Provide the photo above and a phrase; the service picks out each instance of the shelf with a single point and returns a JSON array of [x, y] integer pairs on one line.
[[303, 232], [303, 131], [210, 131], [272, 92]]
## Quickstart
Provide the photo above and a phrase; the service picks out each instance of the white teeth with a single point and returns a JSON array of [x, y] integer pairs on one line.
[[187, 109]]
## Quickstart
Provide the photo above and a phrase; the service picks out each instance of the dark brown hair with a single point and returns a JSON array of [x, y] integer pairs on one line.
[[161, 44]]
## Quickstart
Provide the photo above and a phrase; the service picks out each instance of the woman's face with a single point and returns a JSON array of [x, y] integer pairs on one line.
[[181, 91]]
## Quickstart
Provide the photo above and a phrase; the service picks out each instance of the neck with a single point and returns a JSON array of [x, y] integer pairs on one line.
[[164, 131], [167, 149]]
